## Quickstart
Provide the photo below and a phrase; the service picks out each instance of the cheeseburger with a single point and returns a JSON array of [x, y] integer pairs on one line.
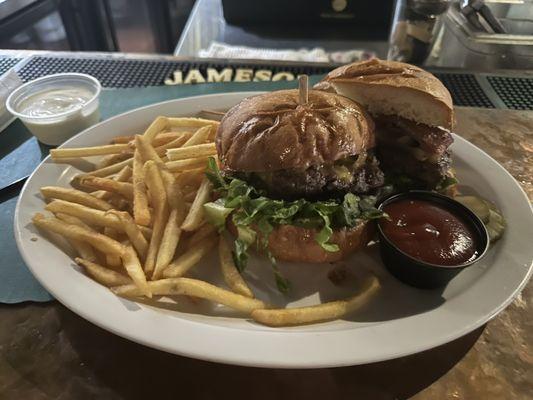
[[413, 113], [296, 179]]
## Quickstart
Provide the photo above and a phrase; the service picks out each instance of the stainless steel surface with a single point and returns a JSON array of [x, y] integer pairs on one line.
[[9, 7], [206, 24], [473, 10], [460, 45], [517, 19]]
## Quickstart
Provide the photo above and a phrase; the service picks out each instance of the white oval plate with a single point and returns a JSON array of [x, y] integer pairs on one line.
[[399, 321]]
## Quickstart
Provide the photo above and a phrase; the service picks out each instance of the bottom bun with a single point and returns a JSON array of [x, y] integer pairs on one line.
[[295, 244]]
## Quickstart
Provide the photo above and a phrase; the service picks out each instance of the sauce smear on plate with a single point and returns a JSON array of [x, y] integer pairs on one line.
[[429, 232]]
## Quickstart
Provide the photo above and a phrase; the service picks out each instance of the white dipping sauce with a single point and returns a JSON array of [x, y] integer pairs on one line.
[[54, 101], [54, 115]]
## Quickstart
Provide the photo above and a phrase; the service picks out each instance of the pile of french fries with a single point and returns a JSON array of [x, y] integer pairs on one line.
[[137, 223]]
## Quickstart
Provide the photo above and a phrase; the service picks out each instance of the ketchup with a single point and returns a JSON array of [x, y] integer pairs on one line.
[[428, 232]]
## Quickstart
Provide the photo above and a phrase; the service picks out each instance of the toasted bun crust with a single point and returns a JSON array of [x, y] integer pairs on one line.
[[393, 88], [295, 244], [273, 131]]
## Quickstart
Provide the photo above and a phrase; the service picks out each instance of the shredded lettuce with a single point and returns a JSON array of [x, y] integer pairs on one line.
[[217, 213], [249, 207]]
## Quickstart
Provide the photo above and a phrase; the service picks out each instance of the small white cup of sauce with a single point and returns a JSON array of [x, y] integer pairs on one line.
[[56, 107]]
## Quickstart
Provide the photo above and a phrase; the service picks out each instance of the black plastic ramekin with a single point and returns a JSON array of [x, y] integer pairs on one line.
[[419, 273]]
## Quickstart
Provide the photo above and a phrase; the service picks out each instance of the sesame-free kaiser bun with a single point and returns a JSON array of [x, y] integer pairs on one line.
[[272, 131], [393, 88]]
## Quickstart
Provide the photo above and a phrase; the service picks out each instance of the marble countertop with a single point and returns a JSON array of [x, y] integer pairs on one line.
[[48, 352]]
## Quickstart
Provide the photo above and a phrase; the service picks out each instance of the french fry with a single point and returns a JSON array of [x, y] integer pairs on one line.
[[187, 130], [301, 315], [83, 249], [196, 151], [200, 136], [174, 194], [146, 150], [190, 122], [135, 271], [99, 194], [111, 159], [161, 138], [122, 139], [190, 195], [321, 312], [87, 214], [178, 142], [135, 235], [75, 196], [190, 258], [192, 177], [119, 203], [141, 212], [97, 240], [185, 165], [157, 126], [172, 230], [70, 219], [112, 260], [107, 171], [124, 189], [105, 276], [146, 231], [195, 288], [158, 196], [164, 138], [120, 221], [194, 218], [169, 242], [204, 231], [88, 151], [123, 176], [231, 275]]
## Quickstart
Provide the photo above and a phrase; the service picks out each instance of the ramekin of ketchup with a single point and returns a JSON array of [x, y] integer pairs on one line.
[[428, 238]]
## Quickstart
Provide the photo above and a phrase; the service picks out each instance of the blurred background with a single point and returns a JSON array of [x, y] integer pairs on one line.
[[477, 34], [139, 26]]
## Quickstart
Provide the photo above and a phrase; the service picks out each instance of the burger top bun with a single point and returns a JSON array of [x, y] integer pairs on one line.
[[272, 131], [393, 88]]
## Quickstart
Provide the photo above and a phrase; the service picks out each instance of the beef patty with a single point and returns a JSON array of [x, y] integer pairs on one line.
[[357, 174], [417, 150], [400, 161]]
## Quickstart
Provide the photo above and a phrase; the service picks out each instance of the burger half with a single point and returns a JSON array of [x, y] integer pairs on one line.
[[413, 113], [295, 180]]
